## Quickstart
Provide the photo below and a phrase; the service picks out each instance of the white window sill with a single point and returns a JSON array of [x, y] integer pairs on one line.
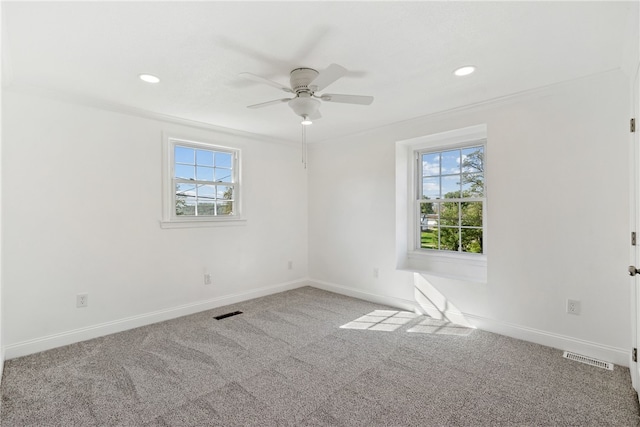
[[202, 223], [467, 267]]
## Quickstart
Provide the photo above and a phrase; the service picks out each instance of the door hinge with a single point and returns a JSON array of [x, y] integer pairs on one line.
[[633, 238], [634, 354], [632, 125]]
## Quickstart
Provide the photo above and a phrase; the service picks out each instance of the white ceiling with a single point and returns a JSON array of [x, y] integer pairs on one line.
[[403, 53]]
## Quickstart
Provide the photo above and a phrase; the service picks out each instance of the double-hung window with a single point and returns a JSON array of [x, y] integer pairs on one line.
[[202, 182], [441, 204], [450, 199]]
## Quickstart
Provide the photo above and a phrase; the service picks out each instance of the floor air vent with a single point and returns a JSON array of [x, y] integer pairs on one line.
[[588, 360], [224, 316]]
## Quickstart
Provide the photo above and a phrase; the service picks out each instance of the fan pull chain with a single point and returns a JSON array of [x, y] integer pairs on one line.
[[306, 149], [304, 146]]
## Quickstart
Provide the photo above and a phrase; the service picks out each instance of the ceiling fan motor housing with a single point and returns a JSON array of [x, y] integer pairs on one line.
[[301, 78]]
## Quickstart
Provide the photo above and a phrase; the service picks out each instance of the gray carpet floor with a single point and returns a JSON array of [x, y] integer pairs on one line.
[[307, 357]]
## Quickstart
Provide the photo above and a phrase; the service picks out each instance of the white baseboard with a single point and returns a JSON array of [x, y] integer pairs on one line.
[[607, 353], [1, 370], [615, 355], [618, 356], [2, 359], [82, 334], [404, 304]]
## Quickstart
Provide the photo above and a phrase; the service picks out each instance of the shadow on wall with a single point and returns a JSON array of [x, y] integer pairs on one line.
[[436, 305]]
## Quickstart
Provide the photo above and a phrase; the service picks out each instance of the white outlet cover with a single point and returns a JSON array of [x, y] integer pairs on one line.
[[82, 300], [573, 306]]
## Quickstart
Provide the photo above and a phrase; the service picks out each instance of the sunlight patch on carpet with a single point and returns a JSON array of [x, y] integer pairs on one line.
[[381, 320]]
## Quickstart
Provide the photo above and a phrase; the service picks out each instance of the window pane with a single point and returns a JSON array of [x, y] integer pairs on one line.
[[451, 162], [181, 203], [473, 160], [428, 215], [431, 188], [449, 213], [449, 239], [204, 173], [206, 193], [451, 186], [223, 192], [206, 207], [185, 172], [472, 214], [428, 208], [472, 240], [431, 164], [185, 205], [225, 208], [206, 200], [204, 157], [223, 175], [472, 185], [429, 238], [223, 160], [184, 155], [186, 190]]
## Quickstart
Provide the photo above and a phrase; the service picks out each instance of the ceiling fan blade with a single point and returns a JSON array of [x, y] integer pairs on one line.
[[259, 79], [266, 104], [328, 76], [347, 99]]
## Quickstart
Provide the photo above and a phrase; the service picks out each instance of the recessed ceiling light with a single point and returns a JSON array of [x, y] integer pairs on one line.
[[464, 71], [149, 78]]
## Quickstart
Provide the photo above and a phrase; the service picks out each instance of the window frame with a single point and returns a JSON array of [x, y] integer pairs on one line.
[[465, 266], [169, 217], [419, 201]]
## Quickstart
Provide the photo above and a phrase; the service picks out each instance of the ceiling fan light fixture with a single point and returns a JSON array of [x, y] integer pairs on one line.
[[306, 121], [304, 106], [464, 71], [149, 78]]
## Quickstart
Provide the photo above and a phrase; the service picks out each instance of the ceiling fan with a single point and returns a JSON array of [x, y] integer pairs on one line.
[[305, 82]]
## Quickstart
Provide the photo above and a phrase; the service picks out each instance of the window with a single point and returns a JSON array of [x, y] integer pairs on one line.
[[451, 199], [441, 204], [202, 183]]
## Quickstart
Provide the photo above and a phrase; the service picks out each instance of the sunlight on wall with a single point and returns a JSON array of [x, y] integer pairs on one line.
[[435, 304], [442, 317]]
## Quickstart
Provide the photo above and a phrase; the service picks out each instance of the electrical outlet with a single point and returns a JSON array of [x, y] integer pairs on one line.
[[207, 278], [290, 265], [376, 272], [573, 306], [82, 300]]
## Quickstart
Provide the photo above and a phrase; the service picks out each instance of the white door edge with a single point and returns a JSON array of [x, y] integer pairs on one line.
[[634, 253]]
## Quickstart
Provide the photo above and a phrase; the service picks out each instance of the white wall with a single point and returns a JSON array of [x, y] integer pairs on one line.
[[81, 205], [81, 208], [558, 216]]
